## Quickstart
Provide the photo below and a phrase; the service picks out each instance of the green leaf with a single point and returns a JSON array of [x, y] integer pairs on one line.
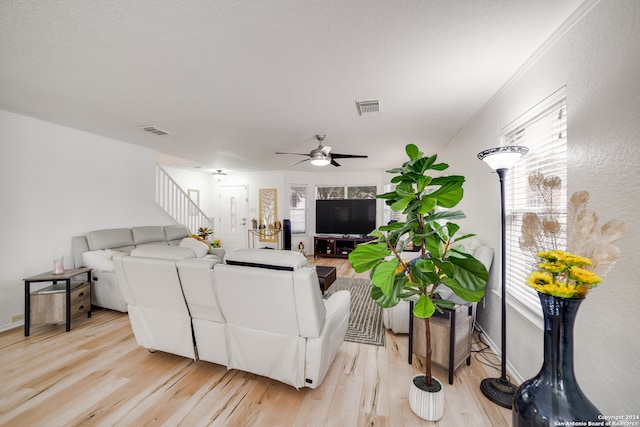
[[440, 166], [405, 189], [389, 195], [365, 257], [449, 194], [443, 303], [389, 300], [450, 198], [466, 236], [423, 164], [383, 275], [452, 228], [424, 307], [469, 280], [427, 204], [422, 182], [444, 180], [401, 204], [391, 227], [461, 291], [437, 216], [412, 151]]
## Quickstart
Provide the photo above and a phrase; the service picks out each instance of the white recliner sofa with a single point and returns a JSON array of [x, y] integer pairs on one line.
[[261, 312], [98, 248]]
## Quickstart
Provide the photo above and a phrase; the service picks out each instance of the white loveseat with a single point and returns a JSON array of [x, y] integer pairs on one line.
[[261, 311], [98, 248]]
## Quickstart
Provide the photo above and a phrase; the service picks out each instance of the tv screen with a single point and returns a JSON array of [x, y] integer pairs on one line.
[[345, 216]]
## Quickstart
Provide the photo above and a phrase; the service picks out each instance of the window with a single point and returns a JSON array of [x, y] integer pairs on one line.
[[362, 192], [352, 192], [544, 131], [298, 208], [388, 214], [330, 192]]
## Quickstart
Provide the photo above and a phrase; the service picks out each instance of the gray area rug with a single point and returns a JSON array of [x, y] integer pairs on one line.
[[365, 316]]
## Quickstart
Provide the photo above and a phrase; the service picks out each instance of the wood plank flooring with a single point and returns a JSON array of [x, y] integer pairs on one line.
[[96, 375]]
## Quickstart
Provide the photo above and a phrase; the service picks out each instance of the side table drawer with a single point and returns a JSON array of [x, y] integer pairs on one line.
[[48, 305], [80, 301]]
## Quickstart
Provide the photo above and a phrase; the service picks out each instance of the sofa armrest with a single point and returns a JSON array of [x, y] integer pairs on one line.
[[337, 305], [322, 350]]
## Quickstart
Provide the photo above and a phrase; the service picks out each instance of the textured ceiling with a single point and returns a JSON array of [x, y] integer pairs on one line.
[[238, 80]]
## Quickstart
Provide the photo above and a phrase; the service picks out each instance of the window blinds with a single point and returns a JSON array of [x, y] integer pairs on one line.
[[544, 131]]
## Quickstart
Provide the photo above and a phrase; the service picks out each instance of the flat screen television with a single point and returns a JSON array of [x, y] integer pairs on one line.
[[345, 216]]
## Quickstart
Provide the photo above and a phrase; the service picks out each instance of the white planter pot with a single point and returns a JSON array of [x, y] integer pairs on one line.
[[428, 405]]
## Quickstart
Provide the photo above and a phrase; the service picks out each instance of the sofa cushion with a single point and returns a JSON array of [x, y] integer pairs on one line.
[[175, 233], [149, 234], [266, 258], [114, 238], [200, 248]]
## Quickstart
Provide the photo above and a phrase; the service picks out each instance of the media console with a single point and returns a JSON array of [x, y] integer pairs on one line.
[[336, 247]]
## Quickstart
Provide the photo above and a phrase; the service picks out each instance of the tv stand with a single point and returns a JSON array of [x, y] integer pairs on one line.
[[336, 247]]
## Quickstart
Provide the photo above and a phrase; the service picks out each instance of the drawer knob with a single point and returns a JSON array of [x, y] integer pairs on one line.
[[81, 294], [81, 308]]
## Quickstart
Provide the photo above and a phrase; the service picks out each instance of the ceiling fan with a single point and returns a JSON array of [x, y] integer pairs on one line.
[[322, 155]]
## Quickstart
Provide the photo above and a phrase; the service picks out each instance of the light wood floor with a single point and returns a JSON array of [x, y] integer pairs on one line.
[[96, 374]]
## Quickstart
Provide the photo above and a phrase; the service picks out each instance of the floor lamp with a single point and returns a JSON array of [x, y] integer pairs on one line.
[[500, 159]]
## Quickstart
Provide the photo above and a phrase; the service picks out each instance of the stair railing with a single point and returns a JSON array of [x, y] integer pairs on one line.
[[175, 202]]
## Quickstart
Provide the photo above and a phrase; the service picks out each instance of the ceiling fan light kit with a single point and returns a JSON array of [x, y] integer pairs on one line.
[[322, 155]]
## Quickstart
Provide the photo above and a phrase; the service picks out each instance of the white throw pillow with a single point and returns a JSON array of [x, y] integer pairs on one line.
[[200, 248], [99, 260]]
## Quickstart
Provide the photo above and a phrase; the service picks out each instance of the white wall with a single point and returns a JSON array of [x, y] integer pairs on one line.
[[599, 62], [57, 183]]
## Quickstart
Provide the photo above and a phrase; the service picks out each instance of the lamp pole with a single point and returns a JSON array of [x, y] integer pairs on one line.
[[500, 390]]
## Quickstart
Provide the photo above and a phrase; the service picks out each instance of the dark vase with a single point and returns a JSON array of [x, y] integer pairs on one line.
[[553, 397]]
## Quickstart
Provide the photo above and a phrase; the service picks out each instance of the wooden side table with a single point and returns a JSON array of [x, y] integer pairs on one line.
[[83, 294], [450, 337]]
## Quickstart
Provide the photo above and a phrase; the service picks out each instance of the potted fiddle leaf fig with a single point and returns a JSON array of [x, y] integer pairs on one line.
[[425, 201]]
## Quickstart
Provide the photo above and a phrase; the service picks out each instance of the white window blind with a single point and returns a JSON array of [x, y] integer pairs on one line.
[[388, 214], [544, 131], [298, 208]]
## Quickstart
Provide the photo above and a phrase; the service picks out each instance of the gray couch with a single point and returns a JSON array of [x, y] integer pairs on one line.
[[97, 249]]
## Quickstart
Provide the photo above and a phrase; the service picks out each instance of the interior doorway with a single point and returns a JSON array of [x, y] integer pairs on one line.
[[232, 226]]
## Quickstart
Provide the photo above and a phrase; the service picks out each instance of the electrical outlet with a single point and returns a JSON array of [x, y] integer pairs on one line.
[[17, 318]]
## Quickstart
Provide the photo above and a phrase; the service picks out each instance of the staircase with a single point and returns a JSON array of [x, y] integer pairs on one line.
[[174, 201]]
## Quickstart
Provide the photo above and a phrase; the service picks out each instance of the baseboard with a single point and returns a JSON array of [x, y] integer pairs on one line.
[[516, 378]]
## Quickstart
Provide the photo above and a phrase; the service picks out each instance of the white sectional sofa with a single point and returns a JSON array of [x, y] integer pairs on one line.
[[261, 311], [98, 248]]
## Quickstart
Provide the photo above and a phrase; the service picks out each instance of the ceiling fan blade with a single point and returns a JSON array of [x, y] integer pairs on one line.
[[326, 149], [300, 161], [348, 156], [334, 163], [297, 154]]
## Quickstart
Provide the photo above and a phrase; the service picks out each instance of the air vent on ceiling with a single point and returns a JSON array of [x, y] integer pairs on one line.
[[368, 108], [157, 131]]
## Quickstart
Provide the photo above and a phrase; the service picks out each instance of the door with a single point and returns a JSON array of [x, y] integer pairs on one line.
[[232, 227]]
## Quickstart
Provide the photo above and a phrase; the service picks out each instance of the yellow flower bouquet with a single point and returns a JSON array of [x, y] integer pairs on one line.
[[562, 274]]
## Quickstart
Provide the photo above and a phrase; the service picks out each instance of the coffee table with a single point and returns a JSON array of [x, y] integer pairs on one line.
[[326, 275]]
